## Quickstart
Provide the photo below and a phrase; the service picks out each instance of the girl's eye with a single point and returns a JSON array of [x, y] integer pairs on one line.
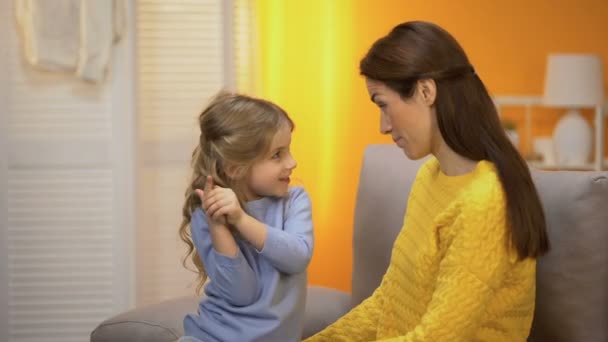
[[276, 155]]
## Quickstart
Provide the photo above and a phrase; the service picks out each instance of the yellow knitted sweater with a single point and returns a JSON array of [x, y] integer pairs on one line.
[[452, 275]]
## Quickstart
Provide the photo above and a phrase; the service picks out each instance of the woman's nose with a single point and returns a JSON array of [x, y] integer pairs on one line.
[[385, 124]]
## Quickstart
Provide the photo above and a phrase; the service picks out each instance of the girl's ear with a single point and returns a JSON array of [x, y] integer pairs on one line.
[[235, 172]]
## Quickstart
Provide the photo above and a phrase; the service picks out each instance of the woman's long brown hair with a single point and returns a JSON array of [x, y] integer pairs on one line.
[[466, 116]]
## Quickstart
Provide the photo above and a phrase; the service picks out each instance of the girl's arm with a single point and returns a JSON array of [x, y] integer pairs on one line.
[[223, 240], [223, 261], [289, 249]]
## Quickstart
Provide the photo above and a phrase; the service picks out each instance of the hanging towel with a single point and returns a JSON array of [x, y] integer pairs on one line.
[[70, 35]]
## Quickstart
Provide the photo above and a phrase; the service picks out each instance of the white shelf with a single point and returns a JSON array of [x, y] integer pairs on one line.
[[583, 167], [536, 101]]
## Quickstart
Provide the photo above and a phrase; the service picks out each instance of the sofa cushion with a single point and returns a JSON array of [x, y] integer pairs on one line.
[[572, 279], [323, 307], [162, 322]]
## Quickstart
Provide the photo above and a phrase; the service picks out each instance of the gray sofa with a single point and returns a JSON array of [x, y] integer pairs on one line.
[[572, 286]]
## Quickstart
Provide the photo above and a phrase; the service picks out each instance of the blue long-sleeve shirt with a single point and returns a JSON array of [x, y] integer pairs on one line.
[[256, 295]]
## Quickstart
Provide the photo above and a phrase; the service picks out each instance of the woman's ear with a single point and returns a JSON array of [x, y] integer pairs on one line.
[[428, 91]]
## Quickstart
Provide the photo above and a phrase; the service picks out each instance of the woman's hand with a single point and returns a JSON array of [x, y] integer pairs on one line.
[[221, 204]]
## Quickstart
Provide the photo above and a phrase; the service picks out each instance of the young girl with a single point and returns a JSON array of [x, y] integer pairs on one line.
[[246, 229]]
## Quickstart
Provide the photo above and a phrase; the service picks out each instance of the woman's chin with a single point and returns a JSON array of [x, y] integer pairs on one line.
[[409, 154], [413, 155]]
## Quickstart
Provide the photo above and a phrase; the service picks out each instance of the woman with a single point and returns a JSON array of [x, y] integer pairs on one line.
[[463, 266]]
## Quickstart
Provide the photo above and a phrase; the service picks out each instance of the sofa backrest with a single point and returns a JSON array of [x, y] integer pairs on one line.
[[572, 280], [384, 185]]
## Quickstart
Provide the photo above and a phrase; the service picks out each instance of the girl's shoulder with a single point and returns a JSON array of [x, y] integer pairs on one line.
[[297, 195], [296, 191], [296, 200]]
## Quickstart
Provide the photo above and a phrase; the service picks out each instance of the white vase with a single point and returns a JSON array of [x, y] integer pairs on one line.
[[572, 139], [544, 146]]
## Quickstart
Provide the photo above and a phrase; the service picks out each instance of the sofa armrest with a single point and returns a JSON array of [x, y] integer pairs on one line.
[[323, 307], [162, 322]]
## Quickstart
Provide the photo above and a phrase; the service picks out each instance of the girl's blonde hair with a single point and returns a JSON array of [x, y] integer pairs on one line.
[[236, 131]]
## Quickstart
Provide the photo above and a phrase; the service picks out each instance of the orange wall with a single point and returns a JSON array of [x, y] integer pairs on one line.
[[308, 60]]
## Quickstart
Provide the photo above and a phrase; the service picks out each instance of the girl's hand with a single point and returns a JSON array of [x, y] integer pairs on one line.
[[221, 203], [204, 196]]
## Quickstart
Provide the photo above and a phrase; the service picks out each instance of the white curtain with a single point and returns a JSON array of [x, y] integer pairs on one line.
[[187, 51], [66, 197], [92, 176]]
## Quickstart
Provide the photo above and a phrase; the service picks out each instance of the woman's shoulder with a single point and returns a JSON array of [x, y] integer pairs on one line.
[[486, 184], [482, 192], [485, 195], [482, 182]]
